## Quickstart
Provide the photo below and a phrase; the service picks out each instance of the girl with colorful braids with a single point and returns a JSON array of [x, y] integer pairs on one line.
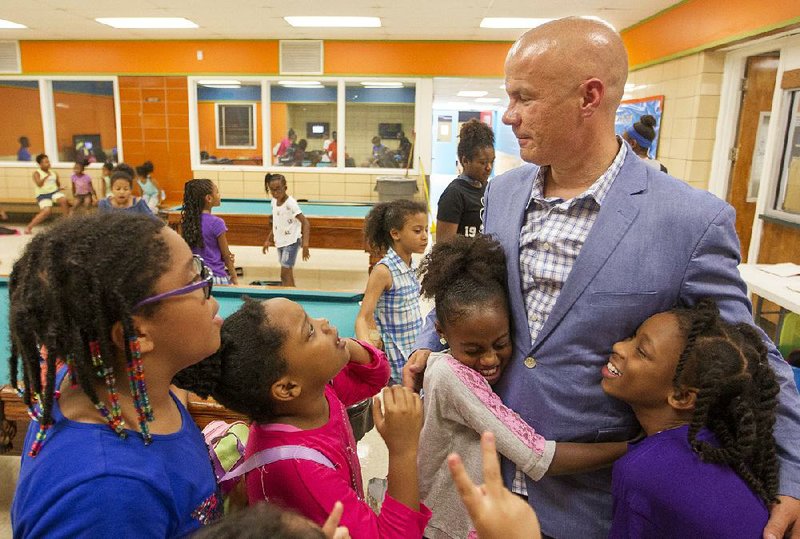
[[205, 233], [101, 310], [705, 395]]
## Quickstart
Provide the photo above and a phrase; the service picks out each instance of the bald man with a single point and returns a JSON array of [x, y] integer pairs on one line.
[[596, 241]]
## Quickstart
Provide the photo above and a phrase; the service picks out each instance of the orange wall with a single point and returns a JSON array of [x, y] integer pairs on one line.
[[146, 57], [278, 128], [155, 126], [208, 139], [696, 24], [440, 58], [21, 116]]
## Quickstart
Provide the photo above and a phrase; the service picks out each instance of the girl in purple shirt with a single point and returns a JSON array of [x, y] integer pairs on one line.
[[705, 396], [205, 233]]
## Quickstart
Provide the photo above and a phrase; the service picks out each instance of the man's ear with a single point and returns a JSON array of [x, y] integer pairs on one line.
[[142, 331], [285, 389], [683, 399], [592, 92]]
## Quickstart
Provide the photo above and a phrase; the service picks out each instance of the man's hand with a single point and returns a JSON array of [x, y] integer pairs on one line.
[[414, 370], [784, 519], [306, 253], [495, 511], [331, 528]]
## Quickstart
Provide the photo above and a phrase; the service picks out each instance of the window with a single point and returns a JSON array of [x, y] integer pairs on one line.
[[380, 122], [22, 137], [788, 199], [227, 118], [304, 127], [85, 118], [236, 126], [304, 122]]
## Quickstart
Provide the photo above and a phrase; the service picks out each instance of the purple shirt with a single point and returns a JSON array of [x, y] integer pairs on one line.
[[83, 184], [662, 489], [212, 227]]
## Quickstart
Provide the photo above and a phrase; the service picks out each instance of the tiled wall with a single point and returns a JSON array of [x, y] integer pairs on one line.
[[17, 183], [155, 126], [311, 186], [298, 115], [691, 88], [362, 124]]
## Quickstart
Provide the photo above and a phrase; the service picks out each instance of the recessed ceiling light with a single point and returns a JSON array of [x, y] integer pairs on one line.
[[512, 22], [471, 93], [219, 82], [488, 100], [9, 24], [334, 22], [147, 22]]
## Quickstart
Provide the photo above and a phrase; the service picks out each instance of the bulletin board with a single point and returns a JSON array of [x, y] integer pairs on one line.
[[631, 110]]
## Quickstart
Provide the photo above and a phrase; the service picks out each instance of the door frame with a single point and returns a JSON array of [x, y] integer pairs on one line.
[[727, 124]]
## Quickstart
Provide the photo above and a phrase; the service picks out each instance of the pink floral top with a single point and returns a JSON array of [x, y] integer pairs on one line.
[[459, 406]]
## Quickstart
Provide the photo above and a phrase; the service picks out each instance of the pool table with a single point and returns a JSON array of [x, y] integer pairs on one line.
[[334, 225], [340, 308]]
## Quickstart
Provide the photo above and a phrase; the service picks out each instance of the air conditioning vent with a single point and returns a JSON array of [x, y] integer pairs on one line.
[[9, 57], [301, 57]]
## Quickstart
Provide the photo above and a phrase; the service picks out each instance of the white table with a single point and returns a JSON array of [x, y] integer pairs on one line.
[[773, 288]]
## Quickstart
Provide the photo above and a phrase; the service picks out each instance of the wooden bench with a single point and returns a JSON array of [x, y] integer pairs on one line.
[[27, 207], [14, 410]]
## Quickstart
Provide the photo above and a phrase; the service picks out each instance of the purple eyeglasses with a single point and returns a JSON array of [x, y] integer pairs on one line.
[[206, 281]]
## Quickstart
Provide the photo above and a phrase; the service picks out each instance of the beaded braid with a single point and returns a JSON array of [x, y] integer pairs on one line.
[[194, 202], [736, 396], [68, 289]]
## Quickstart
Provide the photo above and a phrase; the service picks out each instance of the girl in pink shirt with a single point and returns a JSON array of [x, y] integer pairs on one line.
[[82, 188], [293, 376]]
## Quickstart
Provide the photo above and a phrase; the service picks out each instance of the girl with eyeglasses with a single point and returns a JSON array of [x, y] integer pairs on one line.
[[105, 310]]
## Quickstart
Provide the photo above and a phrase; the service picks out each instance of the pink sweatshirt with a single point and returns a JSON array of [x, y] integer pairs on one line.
[[312, 489]]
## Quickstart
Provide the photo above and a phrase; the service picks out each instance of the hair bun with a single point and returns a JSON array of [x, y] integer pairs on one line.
[[648, 120]]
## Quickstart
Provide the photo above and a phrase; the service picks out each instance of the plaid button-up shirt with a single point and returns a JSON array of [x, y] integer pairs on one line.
[[551, 238]]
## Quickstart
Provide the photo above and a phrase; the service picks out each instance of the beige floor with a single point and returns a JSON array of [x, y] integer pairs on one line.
[[327, 270]]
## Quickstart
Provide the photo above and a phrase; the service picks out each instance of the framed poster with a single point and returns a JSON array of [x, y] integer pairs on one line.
[[631, 110]]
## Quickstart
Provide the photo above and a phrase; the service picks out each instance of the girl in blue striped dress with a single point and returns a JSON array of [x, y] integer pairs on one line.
[[390, 316]]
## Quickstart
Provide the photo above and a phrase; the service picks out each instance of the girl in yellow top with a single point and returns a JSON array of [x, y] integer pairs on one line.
[[48, 190]]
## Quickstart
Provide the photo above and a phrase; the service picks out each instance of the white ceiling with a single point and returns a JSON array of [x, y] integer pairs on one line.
[[262, 19]]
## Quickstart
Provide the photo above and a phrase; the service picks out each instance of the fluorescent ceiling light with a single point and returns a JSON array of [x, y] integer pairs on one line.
[[488, 100], [9, 24], [299, 83], [219, 82], [147, 22], [471, 93], [512, 22], [334, 22], [380, 84], [234, 86]]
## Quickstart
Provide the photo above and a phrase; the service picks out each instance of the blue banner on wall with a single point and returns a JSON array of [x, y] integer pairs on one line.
[[630, 111]]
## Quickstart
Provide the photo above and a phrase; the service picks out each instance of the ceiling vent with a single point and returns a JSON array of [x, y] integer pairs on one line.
[[9, 57], [301, 57]]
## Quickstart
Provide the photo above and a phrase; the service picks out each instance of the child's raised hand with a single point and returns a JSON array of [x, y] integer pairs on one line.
[[399, 422], [494, 510]]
